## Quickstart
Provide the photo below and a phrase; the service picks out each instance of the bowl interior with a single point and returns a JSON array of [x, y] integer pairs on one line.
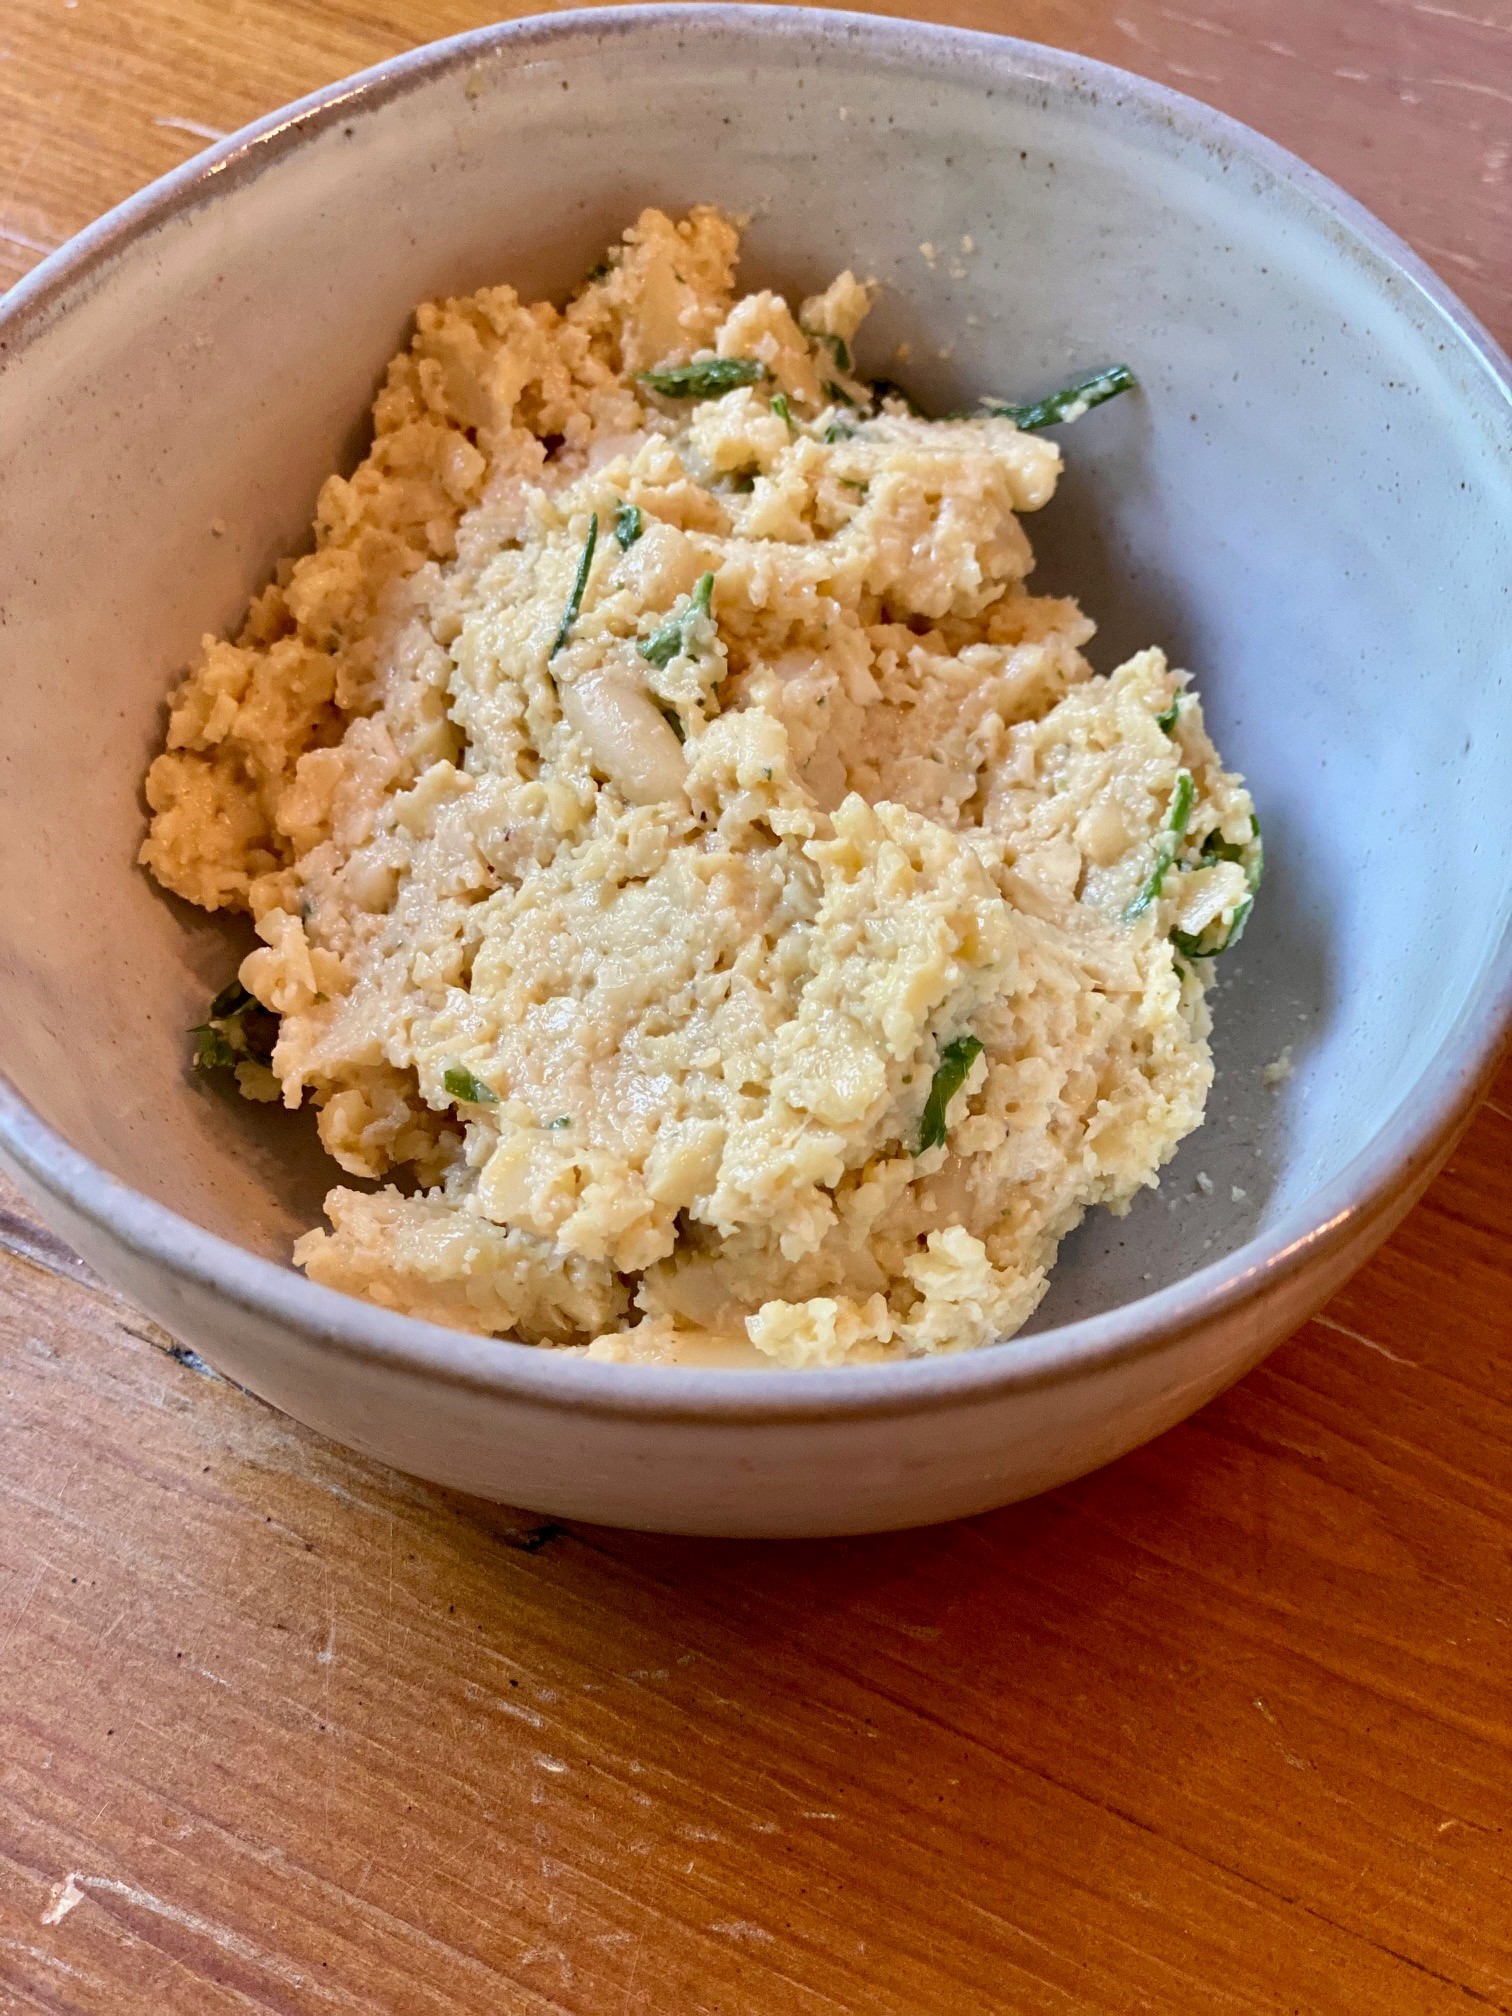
[[1306, 504]]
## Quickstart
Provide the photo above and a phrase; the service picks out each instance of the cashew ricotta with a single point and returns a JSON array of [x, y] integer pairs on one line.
[[684, 851]]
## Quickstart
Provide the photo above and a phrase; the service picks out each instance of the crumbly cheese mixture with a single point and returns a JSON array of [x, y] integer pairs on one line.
[[627, 913]]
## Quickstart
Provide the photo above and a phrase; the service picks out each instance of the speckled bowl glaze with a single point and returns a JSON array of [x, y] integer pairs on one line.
[[1307, 503]]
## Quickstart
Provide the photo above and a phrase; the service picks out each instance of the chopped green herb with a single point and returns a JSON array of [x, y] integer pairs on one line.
[[838, 347], [1191, 943], [237, 1030], [597, 272], [1182, 800], [233, 999], [212, 1051], [565, 1120], [781, 408], [673, 637], [673, 719], [956, 1060], [839, 430], [1167, 846], [850, 483], [838, 393], [580, 582], [628, 525], [706, 379], [1251, 854], [461, 1084], [1169, 716], [1069, 403]]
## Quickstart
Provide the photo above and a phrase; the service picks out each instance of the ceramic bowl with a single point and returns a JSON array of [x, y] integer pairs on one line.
[[1307, 503]]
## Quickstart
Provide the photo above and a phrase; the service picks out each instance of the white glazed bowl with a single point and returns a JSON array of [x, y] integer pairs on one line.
[[1307, 503]]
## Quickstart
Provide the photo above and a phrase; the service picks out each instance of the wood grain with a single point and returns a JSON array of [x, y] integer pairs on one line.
[[1227, 1727]]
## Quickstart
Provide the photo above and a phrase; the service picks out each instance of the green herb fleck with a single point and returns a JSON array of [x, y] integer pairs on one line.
[[628, 526], [598, 272], [672, 718], [580, 582], [838, 347], [1167, 846], [1169, 716], [462, 1085], [1191, 942], [1182, 800], [706, 379], [565, 1120], [1256, 868], [838, 393], [212, 1051], [236, 1030], [956, 1060], [781, 408], [233, 999], [839, 430], [673, 637], [1069, 403], [850, 483], [1251, 854]]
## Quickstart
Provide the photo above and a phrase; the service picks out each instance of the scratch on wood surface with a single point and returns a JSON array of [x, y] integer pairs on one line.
[[1356, 1337], [741, 1928], [502, 1706], [54, 1962], [1463, 260], [234, 1943], [1287, 1756], [66, 1896], [28, 244], [1470, 84], [1454, 14], [1203, 27], [200, 132], [1182, 70]]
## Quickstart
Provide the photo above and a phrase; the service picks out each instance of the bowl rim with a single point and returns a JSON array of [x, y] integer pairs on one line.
[[1373, 1186]]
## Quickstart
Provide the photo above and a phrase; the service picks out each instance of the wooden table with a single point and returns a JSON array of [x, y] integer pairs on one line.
[[1225, 1728]]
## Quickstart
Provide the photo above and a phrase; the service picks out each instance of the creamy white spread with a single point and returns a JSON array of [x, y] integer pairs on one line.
[[628, 910]]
